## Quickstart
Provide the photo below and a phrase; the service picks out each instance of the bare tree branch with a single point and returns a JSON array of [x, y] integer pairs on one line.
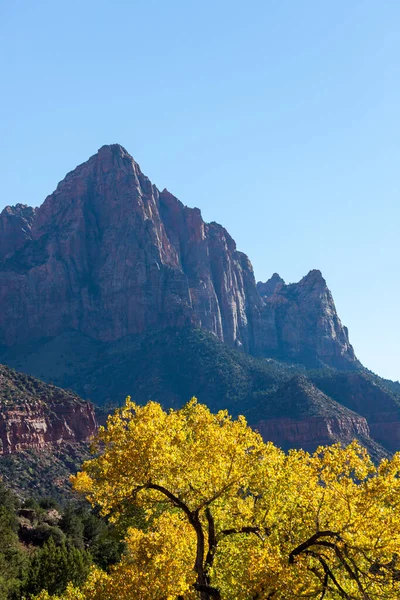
[[329, 573], [311, 542]]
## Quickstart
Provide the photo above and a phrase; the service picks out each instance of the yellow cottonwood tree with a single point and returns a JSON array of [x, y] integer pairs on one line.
[[233, 518]]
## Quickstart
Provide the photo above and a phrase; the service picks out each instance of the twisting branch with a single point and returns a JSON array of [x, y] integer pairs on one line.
[[328, 574], [353, 574], [315, 540], [324, 586], [174, 499], [194, 519], [311, 542], [258, 531]]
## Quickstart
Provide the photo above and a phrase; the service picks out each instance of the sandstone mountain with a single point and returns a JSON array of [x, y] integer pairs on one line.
[[112, 287], [299, 322], [108, 255]]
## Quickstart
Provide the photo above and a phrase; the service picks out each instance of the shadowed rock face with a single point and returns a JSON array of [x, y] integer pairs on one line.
[[15, 228], [299, 415], [108, 255], [379, 405], [303, 324], [34, 415], [269, 288]]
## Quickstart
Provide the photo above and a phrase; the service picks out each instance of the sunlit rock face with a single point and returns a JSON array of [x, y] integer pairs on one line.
[[109, 255], [302, 323], [34, 415]]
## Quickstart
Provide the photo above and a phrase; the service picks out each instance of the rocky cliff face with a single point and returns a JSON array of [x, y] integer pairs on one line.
[[108, 255], [311, 432], [15, 228], [302, 323], [299, 415], [362, 393], [34, 415]]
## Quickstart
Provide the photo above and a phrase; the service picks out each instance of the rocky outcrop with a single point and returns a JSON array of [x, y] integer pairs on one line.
[[300, 323], [108, 255], [34, 415], [299, 415], [221, 284], [15, 228], [311, 432], [269, 288], [364, 394]]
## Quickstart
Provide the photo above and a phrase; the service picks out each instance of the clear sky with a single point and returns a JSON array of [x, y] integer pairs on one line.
[[278, 118]]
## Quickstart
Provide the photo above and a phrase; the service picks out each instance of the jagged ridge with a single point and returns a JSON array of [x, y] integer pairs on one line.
[[108, 255]]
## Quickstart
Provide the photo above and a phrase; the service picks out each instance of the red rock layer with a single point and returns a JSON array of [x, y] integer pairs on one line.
[[311, 432], [26, 427], [108, 255], [34, 414]]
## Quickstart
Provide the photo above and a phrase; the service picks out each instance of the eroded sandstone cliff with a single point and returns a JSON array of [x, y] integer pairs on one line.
[[300, 415], [303, 324], [108, 255], [34, 415], [366, 395]]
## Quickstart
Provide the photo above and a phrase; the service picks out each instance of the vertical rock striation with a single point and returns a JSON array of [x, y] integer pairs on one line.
[[108, 255], [301, 323]]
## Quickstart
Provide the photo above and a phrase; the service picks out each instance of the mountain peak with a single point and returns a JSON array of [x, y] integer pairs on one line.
[[114, 149], [269, 287], [314, 278], [15, 228], [108, 158], [18, 209], [113, 156]]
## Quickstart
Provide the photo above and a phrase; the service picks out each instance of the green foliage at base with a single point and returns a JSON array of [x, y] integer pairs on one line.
[[44, 472], [44, 545]]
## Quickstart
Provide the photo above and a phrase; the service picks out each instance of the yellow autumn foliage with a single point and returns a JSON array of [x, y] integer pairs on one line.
[[233, 518]]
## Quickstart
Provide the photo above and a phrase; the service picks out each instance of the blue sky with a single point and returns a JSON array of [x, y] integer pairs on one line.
[[278, 118]]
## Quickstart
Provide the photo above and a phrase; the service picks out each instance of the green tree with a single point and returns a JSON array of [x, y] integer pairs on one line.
[[13, 559], [52, 567], [72, 525]]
